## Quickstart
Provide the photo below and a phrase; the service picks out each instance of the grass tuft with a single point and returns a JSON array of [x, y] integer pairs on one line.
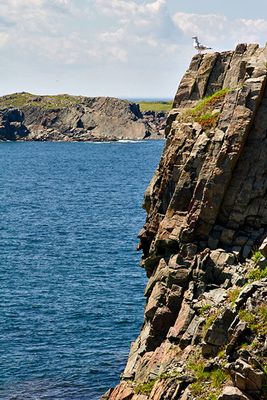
[[145, 388], [208, 120], [209, 321], [233, 295], [208, 383], [204, 111], [256, 256], [256, 320], [257, 274], [204, 309]]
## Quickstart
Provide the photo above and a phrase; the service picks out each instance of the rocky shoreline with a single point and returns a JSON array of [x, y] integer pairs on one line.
[[204, 242], [69, 118]]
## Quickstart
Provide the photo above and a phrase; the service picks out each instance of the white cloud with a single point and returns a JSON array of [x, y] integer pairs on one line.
[[141, 28], [119, 35], [136, 29], [4, 37], [220, 30]]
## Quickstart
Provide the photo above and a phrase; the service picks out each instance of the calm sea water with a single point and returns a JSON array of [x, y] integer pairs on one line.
[[71, 289]]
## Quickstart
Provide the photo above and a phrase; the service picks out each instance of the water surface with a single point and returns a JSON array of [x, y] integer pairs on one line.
[[71, 289]]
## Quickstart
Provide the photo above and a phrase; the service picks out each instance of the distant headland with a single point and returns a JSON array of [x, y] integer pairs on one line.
[[28, 117]]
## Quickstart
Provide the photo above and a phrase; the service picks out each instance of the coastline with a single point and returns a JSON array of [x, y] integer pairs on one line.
[[25, 117]]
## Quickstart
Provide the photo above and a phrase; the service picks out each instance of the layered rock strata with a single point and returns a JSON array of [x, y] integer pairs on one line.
[[70, 118], [205, 326]]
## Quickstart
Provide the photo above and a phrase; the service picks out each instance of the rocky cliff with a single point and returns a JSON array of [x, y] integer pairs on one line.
[[11, 124], [205, 324], [72, 118]]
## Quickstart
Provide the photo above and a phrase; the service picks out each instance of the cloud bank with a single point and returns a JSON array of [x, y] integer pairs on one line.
[[131, 35]]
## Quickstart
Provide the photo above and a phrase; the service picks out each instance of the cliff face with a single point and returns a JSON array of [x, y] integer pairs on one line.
[[71, 118], [204, 332], [11, 125]]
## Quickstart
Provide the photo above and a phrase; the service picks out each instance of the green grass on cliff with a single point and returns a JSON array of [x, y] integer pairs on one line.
[[145, 388], [210, 101], [205, 112], [208, 382], [158, 106], [256, 256], [25, 99], [256, 320], [257, 274]]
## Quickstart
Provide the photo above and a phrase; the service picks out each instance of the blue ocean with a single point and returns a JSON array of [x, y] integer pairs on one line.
[[71, 293]]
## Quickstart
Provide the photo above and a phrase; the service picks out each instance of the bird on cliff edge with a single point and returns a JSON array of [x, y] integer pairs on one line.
[[198, 46]]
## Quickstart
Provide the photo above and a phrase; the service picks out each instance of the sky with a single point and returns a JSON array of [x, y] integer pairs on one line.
[[119, 48]]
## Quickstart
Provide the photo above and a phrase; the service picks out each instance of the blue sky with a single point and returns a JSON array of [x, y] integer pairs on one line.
[[120, 48]]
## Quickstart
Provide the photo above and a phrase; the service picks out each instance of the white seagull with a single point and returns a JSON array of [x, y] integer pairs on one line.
[[199, 47]]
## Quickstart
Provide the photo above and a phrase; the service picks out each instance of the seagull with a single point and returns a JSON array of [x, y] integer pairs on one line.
[[199, 47]]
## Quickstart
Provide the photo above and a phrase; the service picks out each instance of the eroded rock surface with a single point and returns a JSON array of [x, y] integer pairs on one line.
[[205, 326]]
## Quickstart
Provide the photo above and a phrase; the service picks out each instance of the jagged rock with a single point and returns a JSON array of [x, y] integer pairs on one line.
[[217, 335], [247, 378], [160, 275], [235, 335], [155, 299], [190, 335], [178, 276], [233, 393], [166, 389], [263, 248], [122, 392], [174, 298], [162, 320], [247, 292], [214, 297], [182, 323], [206, 210]]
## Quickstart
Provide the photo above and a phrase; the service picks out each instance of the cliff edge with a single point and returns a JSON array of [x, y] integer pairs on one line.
[[204, 241]]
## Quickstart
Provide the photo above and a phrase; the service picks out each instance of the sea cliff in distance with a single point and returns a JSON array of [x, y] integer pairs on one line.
[[28, 117]]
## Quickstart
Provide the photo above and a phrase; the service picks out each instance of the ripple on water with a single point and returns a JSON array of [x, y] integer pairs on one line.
[[71, 290]]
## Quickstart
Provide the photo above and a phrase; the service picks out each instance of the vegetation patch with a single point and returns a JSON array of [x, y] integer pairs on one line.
[[205, 111], [145, 388], [256, 256], [208, 384], [171, 375], [208, 120], [157, 106], [204, 309], [25, 99], [256, 320], [222, 353], [233, 295], [257, 274], [209, 321]]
